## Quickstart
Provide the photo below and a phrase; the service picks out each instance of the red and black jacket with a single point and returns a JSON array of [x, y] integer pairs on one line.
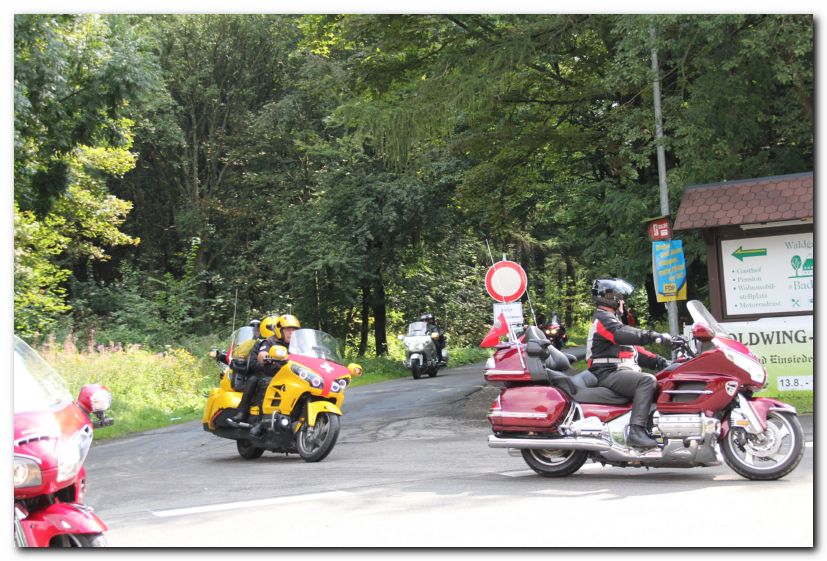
[[611, 343]]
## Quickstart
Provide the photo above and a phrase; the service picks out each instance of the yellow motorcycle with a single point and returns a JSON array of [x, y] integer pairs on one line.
[[300, 409]]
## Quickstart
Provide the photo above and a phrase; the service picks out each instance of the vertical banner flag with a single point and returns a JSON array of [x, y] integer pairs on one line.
[[669, 270], [499, 329]]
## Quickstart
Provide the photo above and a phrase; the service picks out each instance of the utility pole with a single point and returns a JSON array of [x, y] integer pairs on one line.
[[672, 305]]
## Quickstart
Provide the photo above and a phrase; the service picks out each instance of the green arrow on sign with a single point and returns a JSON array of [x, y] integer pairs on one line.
[[740, 253]]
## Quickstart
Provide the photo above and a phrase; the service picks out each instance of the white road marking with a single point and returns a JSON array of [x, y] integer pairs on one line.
[[247, 504]]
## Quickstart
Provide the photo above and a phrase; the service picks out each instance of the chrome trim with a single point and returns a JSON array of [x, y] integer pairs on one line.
[[568, 443], [519, 415], [505, 372], [689, 391]]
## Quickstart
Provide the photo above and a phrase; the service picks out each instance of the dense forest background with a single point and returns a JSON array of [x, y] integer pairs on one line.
[[176, 174]]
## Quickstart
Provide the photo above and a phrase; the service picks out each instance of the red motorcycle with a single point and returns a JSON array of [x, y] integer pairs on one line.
[[52, 435], [704, 404]]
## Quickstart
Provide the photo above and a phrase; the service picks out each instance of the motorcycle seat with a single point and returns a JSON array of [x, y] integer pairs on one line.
[[585, 388]]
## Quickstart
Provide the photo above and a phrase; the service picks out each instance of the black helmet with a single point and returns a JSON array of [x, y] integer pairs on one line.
[[609, 292], [427, 318]]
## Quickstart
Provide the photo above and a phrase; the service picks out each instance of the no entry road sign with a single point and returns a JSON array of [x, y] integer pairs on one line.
[[506, 281]]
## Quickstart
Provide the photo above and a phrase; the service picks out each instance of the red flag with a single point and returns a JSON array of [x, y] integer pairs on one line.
[[499, 329]]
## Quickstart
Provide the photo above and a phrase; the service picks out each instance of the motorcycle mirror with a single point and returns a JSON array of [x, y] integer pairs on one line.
[[213, 353], [355, 369], [278, 352], [95, 398], [702, 332], [400, 337]]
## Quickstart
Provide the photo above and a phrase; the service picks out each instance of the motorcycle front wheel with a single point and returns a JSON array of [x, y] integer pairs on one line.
[[315, 443], [416, 370], [770, 455], [554, 463], [78, 540]]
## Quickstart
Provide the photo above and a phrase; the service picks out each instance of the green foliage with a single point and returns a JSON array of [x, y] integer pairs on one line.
[[149, 390]]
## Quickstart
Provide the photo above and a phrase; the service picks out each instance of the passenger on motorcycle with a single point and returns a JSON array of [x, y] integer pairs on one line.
[[439, 342], [277, 331], [615, 359]]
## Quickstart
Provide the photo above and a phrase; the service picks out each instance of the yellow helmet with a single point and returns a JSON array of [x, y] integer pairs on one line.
[[267, 326], [286, 320]]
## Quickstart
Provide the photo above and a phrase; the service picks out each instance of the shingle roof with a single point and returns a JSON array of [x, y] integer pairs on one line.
[[746, 201]]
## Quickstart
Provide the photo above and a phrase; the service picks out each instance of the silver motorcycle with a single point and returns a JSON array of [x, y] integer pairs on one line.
[[421, 355]]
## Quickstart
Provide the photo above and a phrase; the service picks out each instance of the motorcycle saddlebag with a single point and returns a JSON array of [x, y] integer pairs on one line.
[[528, 408]]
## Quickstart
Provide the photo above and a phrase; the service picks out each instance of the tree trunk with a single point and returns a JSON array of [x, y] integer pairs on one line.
[[570, 290], [380, 315], [364, 330]]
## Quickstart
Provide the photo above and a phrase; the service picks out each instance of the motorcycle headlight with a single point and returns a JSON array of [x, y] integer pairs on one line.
[[416, 346], [72, 453], [340, 384], [308, 376], [754, 368], [26, 472]]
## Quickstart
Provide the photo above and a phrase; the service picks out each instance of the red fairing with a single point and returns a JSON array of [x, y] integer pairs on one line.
[[59, 519], [327, 369], [604, 412], [529, 408], [38, 435]]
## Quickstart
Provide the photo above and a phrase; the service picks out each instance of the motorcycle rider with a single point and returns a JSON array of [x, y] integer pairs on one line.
[[432, 327], [277, 331], [615, 359]]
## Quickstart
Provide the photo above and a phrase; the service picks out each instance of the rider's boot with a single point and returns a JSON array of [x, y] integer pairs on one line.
[[257, 429], [240, 417], [639, 439]]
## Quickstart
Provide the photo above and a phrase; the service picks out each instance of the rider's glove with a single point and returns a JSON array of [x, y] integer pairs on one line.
[[661, 363], [661, 338]]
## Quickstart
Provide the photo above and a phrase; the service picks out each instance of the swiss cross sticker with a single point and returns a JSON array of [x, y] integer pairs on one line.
[[327, 368]]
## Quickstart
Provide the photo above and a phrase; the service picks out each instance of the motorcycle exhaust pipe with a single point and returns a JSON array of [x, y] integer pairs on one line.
[[567, 443]]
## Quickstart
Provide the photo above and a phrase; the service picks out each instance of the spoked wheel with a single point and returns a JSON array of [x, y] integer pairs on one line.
[[247, 451], [554, 463], [770, 455], [78, 540], [315, 443]]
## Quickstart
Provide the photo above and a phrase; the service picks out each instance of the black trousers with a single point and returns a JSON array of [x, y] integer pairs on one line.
[[640, 386], [251, 387]]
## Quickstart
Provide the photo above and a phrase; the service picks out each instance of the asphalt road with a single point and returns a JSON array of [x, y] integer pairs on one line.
[[412, 468]]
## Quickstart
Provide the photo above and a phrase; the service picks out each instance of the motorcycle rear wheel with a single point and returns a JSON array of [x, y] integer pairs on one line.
[[769, 455], [554, 463], [78, 540], [315, 443], [247, 451]]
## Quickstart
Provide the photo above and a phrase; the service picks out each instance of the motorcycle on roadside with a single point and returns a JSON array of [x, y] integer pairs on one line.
[[421, 355], [300, 409], [555, 331], [52, 436], [704, 407]]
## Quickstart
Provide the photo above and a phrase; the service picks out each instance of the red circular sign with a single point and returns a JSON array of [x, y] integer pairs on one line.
[[506, 281]]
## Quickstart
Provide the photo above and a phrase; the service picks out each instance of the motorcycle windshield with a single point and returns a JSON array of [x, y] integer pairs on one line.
[[699, 313], [37, 386], [315, 344], [417, 328]]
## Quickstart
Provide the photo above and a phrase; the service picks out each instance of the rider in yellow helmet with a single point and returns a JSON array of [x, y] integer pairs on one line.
[[277, 331]]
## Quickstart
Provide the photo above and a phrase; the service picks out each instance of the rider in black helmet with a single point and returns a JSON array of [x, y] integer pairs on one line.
[[430, 319], [615, 358]]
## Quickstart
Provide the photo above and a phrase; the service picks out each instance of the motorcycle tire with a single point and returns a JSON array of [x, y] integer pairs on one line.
[[554, 463], [416, 370], [78, 540], [433, 371], [247, 450], [315, 445], [768, 456]]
